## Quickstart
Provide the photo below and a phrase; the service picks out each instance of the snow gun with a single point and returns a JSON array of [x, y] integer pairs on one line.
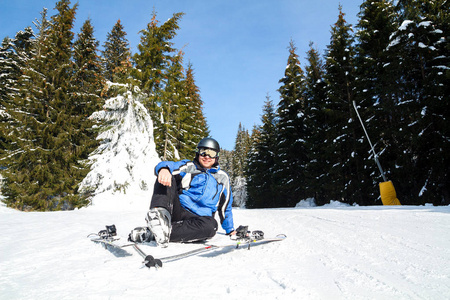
[[387, 190]]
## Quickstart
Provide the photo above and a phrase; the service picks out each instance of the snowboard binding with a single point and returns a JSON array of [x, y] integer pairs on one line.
[[242, 233], [108, 233]]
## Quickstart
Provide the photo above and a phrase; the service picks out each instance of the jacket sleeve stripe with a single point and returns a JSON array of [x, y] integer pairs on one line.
[[224, 199]]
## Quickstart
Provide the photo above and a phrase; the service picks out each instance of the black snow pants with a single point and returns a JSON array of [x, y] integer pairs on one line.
[[186, 226]]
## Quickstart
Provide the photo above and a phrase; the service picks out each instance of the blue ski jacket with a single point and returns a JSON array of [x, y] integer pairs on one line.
[[204, 191]]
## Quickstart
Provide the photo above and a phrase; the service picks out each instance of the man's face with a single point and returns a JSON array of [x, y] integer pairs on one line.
[[205, 159]]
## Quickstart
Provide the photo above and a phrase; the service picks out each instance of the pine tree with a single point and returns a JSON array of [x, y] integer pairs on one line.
[[343, 162], [127, 148], [14, 54], [152, 64], [89, 81], [173, 112], [197, 126], [88, 72], [45, 173], [116, 55], [373, 94], [437, 136], [420, 46], [241, 147], [184, 124], [17, 99], [226, 161], [254, 190], [261, 166], [315, 122], [239, 161], [7, 72], [291, 154]]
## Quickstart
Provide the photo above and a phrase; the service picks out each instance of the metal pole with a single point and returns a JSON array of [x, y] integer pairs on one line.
[[375, 156]]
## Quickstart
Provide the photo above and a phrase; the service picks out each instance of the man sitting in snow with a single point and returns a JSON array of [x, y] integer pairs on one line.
[[186, 197]]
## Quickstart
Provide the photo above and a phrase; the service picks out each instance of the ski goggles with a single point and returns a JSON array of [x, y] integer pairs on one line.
[[208, 152]]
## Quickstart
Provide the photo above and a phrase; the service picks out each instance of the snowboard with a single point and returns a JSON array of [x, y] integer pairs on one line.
[[243, 241]]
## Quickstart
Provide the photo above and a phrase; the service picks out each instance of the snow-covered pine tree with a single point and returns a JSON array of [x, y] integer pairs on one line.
[[340, 138], [253, 183], [260, 169], [315, 122], [89, 80], [44, 175], [291, 152], [241, 148], [127, 155], [437, 136], [421, 64], [226, 161], [116, 55], [374, 93], [14, 54], [239, 161], [19, 103], [7, 66], [239, 188]]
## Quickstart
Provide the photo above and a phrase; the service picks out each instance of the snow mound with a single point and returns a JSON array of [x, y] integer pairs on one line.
[[309, 202], [129, 201]]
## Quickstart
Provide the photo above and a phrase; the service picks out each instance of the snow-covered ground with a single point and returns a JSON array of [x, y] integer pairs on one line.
[[331, 252]]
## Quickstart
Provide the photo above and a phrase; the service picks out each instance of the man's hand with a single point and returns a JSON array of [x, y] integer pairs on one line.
[[164, 177]]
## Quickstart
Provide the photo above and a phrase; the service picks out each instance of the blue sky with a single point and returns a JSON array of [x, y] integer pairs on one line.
[[238, 48]]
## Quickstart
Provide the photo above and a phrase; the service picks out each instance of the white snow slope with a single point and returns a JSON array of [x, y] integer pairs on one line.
[[330, 253]]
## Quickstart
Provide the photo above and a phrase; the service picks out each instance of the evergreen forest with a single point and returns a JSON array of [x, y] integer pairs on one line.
[[393, 65], [52, 81]]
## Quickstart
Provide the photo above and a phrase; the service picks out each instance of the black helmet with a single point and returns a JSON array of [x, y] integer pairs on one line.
[[209, 143]]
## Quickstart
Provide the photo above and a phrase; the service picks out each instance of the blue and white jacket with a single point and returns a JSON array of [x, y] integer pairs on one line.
[[204, 192]]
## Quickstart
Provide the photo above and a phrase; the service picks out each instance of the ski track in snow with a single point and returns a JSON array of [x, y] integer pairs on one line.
[[330, 253]]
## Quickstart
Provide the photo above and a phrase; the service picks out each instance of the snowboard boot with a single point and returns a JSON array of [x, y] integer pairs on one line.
[[159, 222], [141, 235]]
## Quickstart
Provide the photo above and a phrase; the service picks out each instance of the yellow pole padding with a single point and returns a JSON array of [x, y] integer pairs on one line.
[[388, 194]]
